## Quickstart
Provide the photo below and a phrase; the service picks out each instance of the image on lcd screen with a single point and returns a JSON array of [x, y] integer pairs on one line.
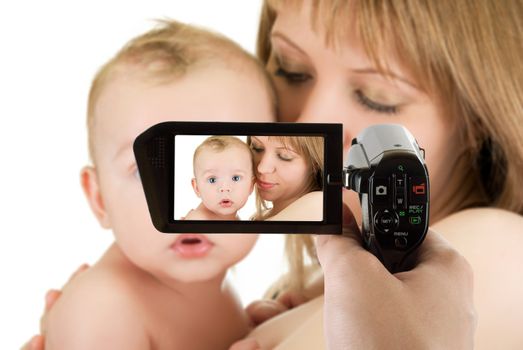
[[226, 177]]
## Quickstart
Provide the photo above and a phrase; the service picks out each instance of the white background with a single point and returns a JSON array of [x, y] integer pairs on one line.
[[49, 52]]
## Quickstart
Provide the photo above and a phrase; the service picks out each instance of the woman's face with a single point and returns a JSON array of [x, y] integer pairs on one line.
[[320, 83], [281, 172]]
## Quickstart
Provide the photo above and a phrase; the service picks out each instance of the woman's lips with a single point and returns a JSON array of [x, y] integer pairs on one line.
[[192, 245], [265, 185]]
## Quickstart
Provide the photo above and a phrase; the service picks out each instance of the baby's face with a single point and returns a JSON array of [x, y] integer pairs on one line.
[[127, 107], [224, 179]]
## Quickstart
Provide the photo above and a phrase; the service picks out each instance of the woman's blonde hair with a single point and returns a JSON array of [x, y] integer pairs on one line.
[[468, 53], [311, 148]]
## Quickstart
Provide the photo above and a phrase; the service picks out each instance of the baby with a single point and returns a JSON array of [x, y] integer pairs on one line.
[[223, 178], [152, 290]]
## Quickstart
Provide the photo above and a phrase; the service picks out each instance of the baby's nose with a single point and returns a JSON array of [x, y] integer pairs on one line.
[[225, 189]]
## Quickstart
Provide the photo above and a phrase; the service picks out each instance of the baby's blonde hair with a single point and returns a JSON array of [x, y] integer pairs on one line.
[[467, 53], [219, 144], [167, 53]]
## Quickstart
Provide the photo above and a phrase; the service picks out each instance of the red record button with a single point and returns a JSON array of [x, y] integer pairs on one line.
[[418, 190]]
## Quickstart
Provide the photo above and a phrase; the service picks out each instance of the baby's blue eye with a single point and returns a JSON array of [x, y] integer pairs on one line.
[[236, 178], [211, 180]]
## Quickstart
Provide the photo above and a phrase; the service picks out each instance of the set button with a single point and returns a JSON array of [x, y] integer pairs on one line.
[[386, 220]]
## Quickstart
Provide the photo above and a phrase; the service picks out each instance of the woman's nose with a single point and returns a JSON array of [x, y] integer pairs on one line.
[[265, 166], [330, 103]]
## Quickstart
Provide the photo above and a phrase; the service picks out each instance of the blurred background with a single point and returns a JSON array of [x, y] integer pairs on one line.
[[50, 52]]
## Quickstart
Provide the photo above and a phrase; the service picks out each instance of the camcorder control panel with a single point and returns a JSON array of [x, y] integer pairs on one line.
[[385, 166]]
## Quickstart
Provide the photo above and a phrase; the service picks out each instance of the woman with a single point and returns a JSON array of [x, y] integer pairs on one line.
[[428, 67], [449, 71], [289, 175]]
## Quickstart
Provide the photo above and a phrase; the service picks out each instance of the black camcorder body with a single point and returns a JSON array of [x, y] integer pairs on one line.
[[384, 165]]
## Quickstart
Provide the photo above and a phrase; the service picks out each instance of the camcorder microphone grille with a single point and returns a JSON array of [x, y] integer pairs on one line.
[[156, 152]]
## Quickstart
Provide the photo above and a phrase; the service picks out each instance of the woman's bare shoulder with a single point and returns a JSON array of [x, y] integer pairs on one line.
[[308, 207], [491, 240], [482, 233], [482, 221]]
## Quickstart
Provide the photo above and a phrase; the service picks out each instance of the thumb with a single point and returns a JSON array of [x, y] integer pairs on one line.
[[330, 248], [245, 344]]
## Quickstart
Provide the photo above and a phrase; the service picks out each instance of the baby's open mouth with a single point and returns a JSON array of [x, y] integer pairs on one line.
[[191, 240], [192, 245], [226, 203]]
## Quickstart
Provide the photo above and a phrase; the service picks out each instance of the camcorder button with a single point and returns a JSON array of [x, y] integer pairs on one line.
[[399, 191], [401, 242], [386, 221], [380, 191], [418, 190]]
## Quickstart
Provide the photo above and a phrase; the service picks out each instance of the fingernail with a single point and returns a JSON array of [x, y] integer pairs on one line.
[[48, 295], [36, 342]]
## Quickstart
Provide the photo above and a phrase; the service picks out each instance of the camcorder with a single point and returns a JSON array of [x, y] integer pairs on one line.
[[384, 165]]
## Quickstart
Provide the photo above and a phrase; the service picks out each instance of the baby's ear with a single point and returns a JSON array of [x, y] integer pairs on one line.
[[91, 187], [195, 187]]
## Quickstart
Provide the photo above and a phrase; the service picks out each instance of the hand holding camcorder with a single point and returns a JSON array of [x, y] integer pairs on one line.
[[385, 166]]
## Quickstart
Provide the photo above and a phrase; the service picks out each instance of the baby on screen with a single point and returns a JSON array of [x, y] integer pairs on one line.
[[223, 178]]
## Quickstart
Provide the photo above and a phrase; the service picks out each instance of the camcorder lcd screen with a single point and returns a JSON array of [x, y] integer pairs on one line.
[[242, 177]]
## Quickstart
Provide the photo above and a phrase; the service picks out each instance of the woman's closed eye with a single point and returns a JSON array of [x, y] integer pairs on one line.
[[372, 105], [256, 149], [292, 73], [292, 78], [286, 157]]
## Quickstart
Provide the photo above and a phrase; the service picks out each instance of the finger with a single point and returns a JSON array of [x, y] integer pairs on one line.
[[262, 310], [350, 225], [330, 247], [246, 344], [35, 343], [50, 298], [437, 253], [78, 271], [291, 299]]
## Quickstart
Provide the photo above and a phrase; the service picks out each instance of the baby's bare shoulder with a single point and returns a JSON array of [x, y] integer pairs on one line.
[[94, 307], [196, 214]]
